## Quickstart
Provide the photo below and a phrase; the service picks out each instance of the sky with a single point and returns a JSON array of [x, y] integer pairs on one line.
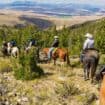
[[95, 2]]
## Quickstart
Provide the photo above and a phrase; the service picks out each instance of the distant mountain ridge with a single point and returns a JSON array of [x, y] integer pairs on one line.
[[71, 9]]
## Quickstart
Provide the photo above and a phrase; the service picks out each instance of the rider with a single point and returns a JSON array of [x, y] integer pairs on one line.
[[32, 42], [55, 44], [88, 44], [13, 43]]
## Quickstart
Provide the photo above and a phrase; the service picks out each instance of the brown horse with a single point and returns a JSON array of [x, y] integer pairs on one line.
[[102, 92], [90, 62], [62, 54], [100, 76]]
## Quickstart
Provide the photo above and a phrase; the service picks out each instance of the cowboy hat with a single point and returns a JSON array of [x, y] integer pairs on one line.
[[88, 35], [56, 37]]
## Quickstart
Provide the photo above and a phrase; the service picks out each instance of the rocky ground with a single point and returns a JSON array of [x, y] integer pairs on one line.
[[59, 86]]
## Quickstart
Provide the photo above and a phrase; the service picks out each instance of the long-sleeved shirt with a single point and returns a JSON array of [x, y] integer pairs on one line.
[[89, 43], [55, 43]]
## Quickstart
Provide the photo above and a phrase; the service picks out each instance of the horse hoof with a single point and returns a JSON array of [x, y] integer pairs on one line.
[[92, 82], [86, 79]]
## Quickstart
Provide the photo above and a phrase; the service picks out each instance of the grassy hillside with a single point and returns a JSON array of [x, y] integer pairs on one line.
[[53, 85], [59, 86], [77, 32]]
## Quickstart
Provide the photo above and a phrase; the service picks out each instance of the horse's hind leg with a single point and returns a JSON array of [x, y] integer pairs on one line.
[[86, 72], [93, 70]]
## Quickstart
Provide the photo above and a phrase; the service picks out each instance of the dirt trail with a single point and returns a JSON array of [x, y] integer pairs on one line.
[[76, 76]]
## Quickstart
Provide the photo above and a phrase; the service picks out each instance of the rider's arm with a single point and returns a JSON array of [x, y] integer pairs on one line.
[[53, 44], [85, 46]]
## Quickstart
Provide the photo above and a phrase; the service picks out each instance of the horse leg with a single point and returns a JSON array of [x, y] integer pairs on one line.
[[93, 70], [86, 72], [54, 61]]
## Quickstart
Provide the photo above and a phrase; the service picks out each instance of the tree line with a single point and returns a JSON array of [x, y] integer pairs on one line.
[[71, 37]]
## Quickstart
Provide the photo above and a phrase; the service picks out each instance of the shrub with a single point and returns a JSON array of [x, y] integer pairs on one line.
[[67, 89], [27, 68]]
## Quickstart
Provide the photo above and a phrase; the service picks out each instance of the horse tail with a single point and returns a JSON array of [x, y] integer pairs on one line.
[[67, 58]]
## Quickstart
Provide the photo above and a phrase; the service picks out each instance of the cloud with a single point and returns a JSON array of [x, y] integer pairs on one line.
[[61, 1]]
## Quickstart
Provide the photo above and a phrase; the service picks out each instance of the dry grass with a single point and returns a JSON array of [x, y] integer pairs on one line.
[[59, 86]]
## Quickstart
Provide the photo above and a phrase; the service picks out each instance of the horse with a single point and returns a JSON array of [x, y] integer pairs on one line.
[[60, 53], [12, 50], [90, 62], [29, 46], [4, 50], [102, 92], [15, 51], [100, 76]]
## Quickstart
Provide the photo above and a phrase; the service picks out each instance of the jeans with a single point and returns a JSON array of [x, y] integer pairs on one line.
[[81, 57], [50, 53]]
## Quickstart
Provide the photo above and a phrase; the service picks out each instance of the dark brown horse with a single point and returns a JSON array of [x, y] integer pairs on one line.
[[90, 62], [62, 54]]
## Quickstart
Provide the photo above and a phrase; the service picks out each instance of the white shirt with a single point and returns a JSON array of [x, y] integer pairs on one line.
[[89, 43]]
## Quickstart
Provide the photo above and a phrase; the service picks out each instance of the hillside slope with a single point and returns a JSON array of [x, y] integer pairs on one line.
[[77, 33], [59, 86]]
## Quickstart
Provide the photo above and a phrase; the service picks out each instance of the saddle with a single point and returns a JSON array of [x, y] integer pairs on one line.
[[91, 52], [54, 51]]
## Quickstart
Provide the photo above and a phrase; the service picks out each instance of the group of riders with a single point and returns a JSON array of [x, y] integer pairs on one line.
[[10, 47], [88, 44]]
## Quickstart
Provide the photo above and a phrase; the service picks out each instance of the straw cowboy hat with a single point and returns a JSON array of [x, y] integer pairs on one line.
[[88, 35], [55, 37]]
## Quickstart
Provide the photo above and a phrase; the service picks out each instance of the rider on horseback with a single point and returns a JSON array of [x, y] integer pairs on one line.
[[32, 42], [54, 45], [88, 44]]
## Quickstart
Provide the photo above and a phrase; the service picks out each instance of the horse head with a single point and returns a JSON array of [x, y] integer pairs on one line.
[[100, 73]]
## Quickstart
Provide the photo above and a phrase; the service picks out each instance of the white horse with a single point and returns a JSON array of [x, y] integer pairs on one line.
[[28, 47], [15, 51], [12, 50]]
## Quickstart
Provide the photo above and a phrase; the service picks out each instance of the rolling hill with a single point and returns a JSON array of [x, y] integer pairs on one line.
[[22, 18]]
